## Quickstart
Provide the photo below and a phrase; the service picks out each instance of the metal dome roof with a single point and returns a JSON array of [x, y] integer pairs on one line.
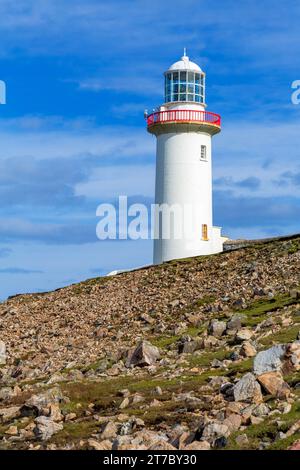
[[185, 64]]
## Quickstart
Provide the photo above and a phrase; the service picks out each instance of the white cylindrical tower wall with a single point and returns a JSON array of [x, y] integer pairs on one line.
[[184, 178]]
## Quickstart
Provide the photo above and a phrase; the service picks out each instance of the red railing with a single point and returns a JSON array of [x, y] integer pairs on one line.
[[183, 115]]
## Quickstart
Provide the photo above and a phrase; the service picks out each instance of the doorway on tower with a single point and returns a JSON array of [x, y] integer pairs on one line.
[[204, 232]]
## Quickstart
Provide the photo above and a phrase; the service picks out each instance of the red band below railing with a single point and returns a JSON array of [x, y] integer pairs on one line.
[[192, 115]]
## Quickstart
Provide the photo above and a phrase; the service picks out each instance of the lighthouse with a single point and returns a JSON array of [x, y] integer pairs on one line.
[[183, 188]]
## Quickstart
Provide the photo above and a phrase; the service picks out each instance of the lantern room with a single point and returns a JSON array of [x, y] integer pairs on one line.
[[185, 82]]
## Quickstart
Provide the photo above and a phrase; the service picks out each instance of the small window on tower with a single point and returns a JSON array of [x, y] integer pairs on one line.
[[203, 154], [204, 232]]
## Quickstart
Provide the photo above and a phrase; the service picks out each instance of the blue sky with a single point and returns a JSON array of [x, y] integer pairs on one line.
[[80, 74]]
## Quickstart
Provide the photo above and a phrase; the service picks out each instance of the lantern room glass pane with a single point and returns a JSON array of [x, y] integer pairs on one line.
[[175, 97], [197, 78], [182, 88], [191, 77], [175, 88], [183, 97], [190, 97], [175, 77], [190, 88], [183, 76]]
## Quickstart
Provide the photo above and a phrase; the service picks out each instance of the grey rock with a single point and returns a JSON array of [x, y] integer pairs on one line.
[[190, 346], [234, 323], [214, 431], [43, 400], [145, 354], [269, 360], [261, 410], [45, 428], [247, 389], [216, 328]]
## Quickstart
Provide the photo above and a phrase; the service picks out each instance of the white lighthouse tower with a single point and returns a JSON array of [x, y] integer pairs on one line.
[[183, 189]]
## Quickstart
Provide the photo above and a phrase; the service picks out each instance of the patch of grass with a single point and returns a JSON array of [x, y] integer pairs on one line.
[[286, 335], [164, 342], [240, 367], [294, 247], [73, 432], [205, 359], [257, 311]]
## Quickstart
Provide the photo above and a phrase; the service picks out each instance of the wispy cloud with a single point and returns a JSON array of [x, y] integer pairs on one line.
[[19, 271]]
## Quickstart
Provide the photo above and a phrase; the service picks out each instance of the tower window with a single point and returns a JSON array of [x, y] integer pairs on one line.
[[204, 232], [203, 154]]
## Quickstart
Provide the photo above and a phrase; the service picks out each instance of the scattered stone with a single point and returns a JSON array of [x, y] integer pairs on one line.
[[70, 417], [295, 293], [235, 323], [12, 431], [243, 335], [43, 400], [269, 360], [273, 383], [261, 410], [242, 440], [103, 445], [109, 431], [145, 354], [55, 413], [161, 445], [188, 346], [45, 428], [196, 445], [216, 328], [124, 403], [247, 389], [8, 414], [233, 422], [213, 431], [247, 350]]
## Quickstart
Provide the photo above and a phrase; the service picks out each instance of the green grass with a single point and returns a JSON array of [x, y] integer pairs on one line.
[[286, 335], [258, 310]]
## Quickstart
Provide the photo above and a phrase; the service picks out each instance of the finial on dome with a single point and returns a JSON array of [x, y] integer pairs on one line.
[[184, 52]]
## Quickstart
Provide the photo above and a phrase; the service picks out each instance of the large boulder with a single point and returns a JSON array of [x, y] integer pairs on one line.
[[145, 354], [273, 383], [247, 389], [269, 360]]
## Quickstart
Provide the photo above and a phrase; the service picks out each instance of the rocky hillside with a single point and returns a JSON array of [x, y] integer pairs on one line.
[[194, 354]]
